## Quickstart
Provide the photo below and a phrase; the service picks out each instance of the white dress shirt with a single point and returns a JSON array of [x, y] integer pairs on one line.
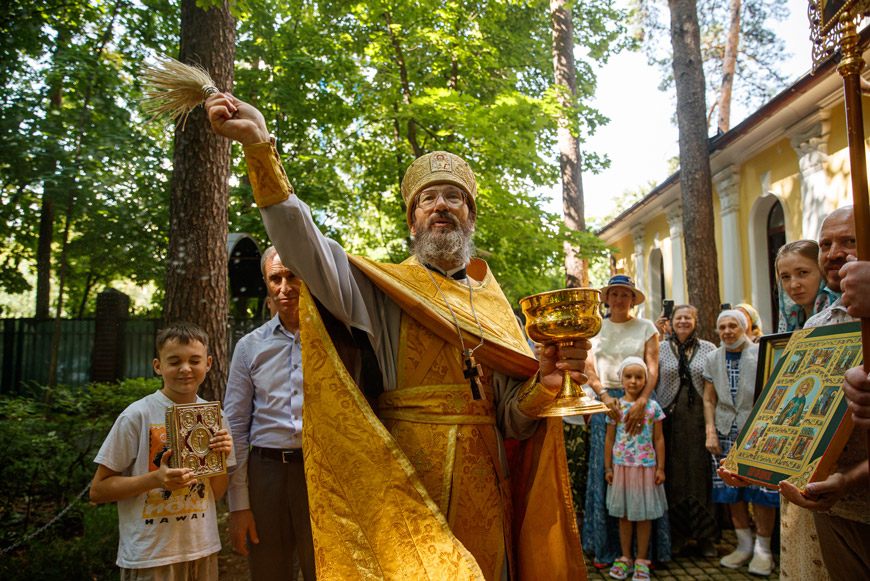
[[263, 401]]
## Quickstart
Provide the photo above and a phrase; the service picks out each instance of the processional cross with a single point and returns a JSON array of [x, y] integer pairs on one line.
[[833, 28]]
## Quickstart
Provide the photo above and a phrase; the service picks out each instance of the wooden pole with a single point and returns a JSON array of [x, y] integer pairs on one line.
[[850, 68]]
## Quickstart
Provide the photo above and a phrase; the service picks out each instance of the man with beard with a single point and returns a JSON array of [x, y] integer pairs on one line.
[[840, 503], [415, 374]]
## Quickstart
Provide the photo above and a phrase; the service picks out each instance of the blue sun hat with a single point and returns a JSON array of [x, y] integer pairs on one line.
[[623, 281]]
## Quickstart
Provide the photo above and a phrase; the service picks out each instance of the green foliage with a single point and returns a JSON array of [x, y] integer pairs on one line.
[[354, 91], [82, 546], [599, 271], [73, 138], [757, 77], [50, 440], [577, 451]]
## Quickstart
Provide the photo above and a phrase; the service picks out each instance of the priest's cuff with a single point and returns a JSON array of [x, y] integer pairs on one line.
[[534, 397], [268, 180]]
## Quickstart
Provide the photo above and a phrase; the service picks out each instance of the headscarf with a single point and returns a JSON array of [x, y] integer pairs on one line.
[[632, 360], [741, 320], [734, 314], [753, 314], [683, 357], [792, 316]]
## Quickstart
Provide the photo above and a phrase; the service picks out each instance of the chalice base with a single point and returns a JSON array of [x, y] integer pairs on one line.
[[572, 401], [580, 405]]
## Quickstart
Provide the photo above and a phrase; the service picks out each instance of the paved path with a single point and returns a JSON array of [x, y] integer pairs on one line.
[[694, 567]]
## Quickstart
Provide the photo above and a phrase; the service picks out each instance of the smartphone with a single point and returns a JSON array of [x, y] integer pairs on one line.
[[725, 307], [667, 308]]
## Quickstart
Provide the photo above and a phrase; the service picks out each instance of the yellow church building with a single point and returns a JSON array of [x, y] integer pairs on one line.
[[776, 175]]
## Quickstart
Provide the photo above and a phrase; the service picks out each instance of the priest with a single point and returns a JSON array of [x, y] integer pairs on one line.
[[417, 380]]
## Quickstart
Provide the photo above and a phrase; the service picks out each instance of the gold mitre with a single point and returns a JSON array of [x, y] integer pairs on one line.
[[438, 167]]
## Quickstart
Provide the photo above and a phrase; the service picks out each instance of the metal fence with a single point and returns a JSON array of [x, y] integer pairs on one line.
[[26, 352]]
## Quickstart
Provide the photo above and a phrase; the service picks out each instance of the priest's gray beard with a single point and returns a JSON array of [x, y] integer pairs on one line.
[[438, 247]]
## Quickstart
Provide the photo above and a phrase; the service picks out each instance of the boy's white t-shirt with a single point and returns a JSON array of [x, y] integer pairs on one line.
[[158, 527]]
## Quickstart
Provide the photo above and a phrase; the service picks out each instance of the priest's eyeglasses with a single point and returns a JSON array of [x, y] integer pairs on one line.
[[453, 199]]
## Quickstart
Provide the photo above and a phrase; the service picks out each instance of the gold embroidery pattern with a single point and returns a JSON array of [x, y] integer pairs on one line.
[[268, 180], [409, 285], [441, 420], [437, 167], [370, 513]]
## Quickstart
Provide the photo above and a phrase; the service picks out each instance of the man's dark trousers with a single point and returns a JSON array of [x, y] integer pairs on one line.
[[279, 501]]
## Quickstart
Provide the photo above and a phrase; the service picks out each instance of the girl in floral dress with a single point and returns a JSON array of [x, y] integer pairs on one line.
[[634, 467]]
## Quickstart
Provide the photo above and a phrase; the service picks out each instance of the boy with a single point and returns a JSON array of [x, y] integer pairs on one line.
[[168, 522]]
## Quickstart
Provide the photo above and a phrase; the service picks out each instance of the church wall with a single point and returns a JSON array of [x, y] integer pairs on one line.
[[774, 170], [783, 171]]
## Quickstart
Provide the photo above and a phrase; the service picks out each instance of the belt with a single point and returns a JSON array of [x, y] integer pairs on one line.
[[285, 456]]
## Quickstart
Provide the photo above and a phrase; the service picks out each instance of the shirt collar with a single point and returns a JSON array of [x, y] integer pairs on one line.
[[276, 327]]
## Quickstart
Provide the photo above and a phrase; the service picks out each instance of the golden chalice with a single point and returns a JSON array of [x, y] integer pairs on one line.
[[561, 317]]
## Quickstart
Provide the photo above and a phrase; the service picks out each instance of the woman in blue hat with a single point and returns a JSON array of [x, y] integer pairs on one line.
[[622, 335]]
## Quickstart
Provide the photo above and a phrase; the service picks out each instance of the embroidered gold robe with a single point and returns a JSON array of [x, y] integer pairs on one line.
[[382, 504], [432, 486]]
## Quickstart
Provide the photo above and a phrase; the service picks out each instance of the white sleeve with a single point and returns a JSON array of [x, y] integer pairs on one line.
[[320, 261], [239, 406], [511, 421], [121, 446]]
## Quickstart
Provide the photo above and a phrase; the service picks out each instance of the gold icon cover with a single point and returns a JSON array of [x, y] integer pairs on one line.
[[189, 429], [800, 422]]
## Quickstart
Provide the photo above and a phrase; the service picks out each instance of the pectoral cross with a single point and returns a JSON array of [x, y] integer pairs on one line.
[[472, 373]]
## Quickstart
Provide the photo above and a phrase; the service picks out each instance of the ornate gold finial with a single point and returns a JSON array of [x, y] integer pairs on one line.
[[831, 22]]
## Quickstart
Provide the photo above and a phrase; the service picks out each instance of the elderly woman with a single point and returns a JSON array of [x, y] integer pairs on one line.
[[621, 336], [729, 388], [687, 463]]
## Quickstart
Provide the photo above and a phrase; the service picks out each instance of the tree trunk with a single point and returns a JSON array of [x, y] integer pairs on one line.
[[696, 185], [576, 268], [196, 271], [729, 65], [406, 85], [46, 212], [43, 258]]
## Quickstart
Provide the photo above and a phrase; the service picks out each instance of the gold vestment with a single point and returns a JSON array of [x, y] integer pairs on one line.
[[416, 490], [382, 507]]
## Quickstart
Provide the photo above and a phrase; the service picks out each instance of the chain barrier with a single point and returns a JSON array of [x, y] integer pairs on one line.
[[41, 529]]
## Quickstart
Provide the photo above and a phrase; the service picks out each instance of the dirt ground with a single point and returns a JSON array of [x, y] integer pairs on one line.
[[233, 566]]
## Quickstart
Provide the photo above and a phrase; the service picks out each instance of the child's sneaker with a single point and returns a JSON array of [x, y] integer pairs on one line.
[[641, 571], [621, 568]]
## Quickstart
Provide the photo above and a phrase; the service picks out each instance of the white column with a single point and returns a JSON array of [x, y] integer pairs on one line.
[[727, 184], [637, 236], [678, 269], [810, 142]]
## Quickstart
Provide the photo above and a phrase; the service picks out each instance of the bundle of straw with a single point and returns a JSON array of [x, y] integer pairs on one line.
[[175, 88]]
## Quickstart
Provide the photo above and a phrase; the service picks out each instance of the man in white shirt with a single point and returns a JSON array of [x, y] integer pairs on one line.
[[267, 492]]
